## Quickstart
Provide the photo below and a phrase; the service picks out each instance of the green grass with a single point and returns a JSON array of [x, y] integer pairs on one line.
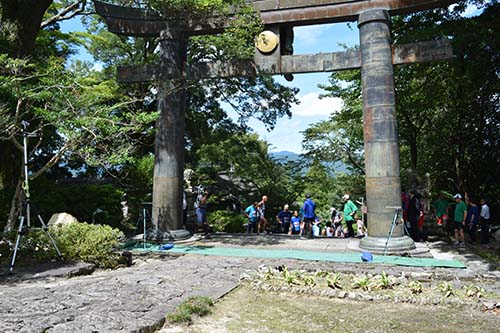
[[197, 305], [245, 310]]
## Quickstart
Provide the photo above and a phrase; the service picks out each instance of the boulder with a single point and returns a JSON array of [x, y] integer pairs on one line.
[[61, 219]]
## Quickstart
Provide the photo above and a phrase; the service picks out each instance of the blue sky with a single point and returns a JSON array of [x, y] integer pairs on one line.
[[308, 40]]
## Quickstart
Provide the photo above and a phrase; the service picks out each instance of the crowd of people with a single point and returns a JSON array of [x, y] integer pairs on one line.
[[305, 222], [466, 217]]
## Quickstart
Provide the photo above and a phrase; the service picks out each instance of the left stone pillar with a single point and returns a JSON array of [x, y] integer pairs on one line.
[[169, 139]]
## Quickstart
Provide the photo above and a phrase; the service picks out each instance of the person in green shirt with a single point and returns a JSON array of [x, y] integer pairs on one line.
[[350, 210], [441, 210], [459, 219]]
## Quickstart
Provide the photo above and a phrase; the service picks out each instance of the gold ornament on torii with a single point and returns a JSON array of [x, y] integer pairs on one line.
[[266, 41]]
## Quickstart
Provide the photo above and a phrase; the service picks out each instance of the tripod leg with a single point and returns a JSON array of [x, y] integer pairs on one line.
[[390, 232], [45, 229], [144, 212], [18, 240]]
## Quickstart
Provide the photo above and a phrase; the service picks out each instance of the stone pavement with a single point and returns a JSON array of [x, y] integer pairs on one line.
[[136, 299]]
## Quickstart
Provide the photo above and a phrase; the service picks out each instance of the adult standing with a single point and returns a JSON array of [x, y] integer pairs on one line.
[[485, 222], [261, 208], [459, 218], [472, 220], [309, 214], [441, 210], [200, 206], [413, 214], [284, 217], [253, 217], [350, 210]]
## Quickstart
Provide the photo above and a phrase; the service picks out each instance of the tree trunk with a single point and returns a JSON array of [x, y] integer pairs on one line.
[[15, 208], [26, 16]]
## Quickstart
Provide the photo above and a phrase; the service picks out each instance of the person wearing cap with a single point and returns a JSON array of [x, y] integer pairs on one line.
[[284, 217], [350, 210], [459, 219], [309, 215]]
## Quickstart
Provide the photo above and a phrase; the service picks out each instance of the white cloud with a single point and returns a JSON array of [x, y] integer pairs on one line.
[[312, 106], [308, 35], [470, 10]]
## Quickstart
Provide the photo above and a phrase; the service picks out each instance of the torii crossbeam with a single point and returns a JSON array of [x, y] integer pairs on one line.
[[375, 57]]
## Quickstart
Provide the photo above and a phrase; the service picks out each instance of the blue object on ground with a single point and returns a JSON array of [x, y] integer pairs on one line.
[[167, 246], [366, 256]]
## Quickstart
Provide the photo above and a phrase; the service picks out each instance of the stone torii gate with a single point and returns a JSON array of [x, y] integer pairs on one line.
[[376, 58]]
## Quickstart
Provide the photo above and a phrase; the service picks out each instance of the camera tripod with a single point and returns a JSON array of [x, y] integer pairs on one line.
[[144, 216], [25, 215], [395, 222]]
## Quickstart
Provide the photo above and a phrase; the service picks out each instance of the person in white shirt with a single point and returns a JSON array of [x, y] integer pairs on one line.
[[484, 221]]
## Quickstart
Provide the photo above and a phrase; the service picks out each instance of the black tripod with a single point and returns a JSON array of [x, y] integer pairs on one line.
[[25, 215], [395, 222]]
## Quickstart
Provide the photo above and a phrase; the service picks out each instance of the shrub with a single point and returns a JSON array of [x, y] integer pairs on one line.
[[197, 305], [92, 243], [225, 221], [77, 241]]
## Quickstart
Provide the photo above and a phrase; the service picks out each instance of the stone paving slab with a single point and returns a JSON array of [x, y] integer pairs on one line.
[[46, 270], [131, 299]]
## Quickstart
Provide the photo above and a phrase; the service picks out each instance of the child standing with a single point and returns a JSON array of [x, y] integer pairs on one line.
[[295, 225]]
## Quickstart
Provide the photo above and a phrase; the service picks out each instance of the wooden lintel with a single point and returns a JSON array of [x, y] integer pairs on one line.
[[290, 64], [321, 62], [422, 52], [148, 23]]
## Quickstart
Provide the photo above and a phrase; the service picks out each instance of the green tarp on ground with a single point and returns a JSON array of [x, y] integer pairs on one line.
[[297, 254]]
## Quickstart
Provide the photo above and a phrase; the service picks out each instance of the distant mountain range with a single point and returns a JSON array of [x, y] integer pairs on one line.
[[289, 156]]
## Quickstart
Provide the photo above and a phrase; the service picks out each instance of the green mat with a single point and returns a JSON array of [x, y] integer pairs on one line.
[[297, 254]]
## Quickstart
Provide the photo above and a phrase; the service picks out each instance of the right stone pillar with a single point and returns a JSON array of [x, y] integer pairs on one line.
[[383, 184]]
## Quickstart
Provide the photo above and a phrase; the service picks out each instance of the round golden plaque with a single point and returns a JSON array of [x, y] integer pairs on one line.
[[267, 41]]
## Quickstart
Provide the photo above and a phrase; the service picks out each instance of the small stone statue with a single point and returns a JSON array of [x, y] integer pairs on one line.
[[188, 176]]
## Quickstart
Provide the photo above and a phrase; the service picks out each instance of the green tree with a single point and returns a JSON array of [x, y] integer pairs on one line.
[[92, 121], [340, 139]]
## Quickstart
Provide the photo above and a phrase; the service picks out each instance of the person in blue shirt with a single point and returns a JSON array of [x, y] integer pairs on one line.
[[284, 218], [309, 215], [472, 220], [295, 224], [253, 217]]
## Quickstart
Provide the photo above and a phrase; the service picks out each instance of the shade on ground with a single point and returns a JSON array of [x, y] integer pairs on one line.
[[298, 254]]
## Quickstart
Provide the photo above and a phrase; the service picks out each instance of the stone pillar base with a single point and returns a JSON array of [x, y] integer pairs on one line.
[[397, 245], [170, 235]]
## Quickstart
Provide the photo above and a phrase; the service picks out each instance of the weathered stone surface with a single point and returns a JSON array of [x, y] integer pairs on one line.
[[130, 298]]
